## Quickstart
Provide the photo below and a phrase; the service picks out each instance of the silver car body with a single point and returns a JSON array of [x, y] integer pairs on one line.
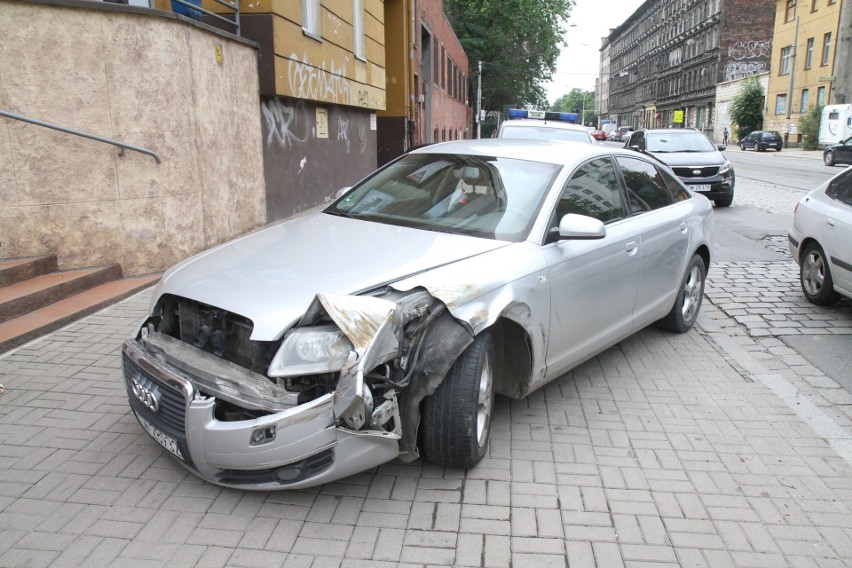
[[554, 304], [826, 220]]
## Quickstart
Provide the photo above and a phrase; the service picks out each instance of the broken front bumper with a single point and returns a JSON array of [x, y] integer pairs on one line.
[[301, 446]]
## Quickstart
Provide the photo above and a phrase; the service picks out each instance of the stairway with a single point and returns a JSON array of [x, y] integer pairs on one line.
[[37, 298]]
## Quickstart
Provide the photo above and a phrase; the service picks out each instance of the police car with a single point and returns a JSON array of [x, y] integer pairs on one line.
[[542, 125]]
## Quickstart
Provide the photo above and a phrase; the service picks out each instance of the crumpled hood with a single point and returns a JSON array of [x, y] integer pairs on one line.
[[272, 275]]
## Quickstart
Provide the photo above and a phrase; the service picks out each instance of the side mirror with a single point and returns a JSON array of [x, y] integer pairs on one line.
[[721, 147], [581, 227]]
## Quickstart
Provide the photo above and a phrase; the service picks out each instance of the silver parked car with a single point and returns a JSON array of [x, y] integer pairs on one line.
[[821, 240], [382, 326]]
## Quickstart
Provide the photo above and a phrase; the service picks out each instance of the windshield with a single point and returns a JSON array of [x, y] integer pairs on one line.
[[678, 142], [495, 198], [544, 133]]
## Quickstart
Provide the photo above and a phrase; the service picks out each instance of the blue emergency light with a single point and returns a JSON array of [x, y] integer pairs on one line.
[[544, 115]]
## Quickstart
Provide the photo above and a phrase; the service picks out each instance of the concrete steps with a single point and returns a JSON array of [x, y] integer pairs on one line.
[[36, 298]]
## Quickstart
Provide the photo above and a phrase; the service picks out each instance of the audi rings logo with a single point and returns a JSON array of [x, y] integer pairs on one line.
[[146, 396]]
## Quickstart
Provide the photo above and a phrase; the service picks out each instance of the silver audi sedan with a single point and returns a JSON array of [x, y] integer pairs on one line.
[[383, 326]]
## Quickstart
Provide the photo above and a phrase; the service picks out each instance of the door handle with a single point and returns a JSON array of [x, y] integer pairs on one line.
[[830, 223], [631, 247], [683, 227]]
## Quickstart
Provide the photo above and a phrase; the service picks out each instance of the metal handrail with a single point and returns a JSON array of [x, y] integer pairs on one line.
[[46, 124]]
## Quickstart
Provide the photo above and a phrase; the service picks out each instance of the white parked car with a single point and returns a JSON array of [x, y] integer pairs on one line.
[[548, 126], [821, 240], [383, 326]]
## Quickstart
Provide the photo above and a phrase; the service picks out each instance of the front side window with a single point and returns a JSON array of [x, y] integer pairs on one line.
[[646, 188], [480, 196], [592, 191]]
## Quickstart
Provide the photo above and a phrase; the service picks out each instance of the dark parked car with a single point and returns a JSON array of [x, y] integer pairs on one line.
[[838, 153], [693, 158], [761, 140]]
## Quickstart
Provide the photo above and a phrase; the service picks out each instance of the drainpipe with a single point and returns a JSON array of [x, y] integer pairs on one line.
[[790, 84]]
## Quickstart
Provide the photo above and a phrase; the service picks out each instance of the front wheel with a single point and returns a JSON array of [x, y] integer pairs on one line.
[[815, 277], [724, 201], [688, 301], [457, 418], [742, 146], [828, 158]]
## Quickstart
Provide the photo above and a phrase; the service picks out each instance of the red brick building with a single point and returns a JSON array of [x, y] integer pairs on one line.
[[427, 93]]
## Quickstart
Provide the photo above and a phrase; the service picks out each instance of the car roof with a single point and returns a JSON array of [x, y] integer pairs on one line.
[[551, 151], [541, 122]]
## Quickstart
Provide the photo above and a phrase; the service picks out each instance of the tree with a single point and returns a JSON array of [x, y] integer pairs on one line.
[[577, 101], [809, 127], [746, 109], [518, 42]]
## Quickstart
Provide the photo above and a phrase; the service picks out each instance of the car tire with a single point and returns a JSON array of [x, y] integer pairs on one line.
[[742, 146], [815, 276], [689, 296], [724, 202], [828, 158], [456, 419]]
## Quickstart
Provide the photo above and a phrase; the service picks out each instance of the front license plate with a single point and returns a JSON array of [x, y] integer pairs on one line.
[[166, 441], [700, 187]]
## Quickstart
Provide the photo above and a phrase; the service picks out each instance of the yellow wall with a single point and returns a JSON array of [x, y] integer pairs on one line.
[[811, 25]]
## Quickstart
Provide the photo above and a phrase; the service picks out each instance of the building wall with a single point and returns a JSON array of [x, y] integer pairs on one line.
[[320, 99], [145, 78], [725, 94], [812, 24]]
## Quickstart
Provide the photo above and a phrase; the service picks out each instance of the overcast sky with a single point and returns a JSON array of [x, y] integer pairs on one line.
[[579, 61]]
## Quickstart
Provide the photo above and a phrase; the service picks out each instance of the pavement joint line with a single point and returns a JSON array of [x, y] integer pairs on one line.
[[835, 435]]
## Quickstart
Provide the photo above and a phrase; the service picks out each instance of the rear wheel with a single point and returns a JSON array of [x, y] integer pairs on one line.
[[688, 301], [815, 277], [457, 418], [828, 158]]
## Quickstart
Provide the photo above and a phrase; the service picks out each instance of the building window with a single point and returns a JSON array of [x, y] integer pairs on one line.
[[780, 104], [809, 53], [804, 108], [311, 22], [785, 60], [826, 49], [443, 68], [358, 29], [790, 12], [814, 5], [821, 96], [437, 72]]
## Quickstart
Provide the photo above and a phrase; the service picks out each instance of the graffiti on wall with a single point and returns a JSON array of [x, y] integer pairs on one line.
[[747, 58], [739, 70], [343, 131], [309, 81], [287, 122]]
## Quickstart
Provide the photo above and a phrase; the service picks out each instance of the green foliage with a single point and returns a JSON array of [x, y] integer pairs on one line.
[[746, 110], [576, 101], [809, 127], [518, 42]]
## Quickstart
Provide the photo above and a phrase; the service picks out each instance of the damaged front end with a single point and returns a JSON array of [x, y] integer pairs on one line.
[[339, 393]]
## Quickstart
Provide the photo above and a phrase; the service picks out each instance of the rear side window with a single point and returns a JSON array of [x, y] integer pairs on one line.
[[841, 189], [646, 187], [592, 191]]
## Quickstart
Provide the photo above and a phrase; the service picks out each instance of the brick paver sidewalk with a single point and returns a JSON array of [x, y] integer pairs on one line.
[[665, 450]]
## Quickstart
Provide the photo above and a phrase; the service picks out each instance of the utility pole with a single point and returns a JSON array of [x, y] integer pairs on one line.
[[790, 84], [479, 103]]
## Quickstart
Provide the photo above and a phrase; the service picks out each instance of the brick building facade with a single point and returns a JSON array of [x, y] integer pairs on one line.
[[666, 59]]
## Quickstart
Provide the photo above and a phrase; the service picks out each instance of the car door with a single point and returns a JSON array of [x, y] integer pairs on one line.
[[838, 230], [844, 153], [660, 207], [748, 141], [592, 282]]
